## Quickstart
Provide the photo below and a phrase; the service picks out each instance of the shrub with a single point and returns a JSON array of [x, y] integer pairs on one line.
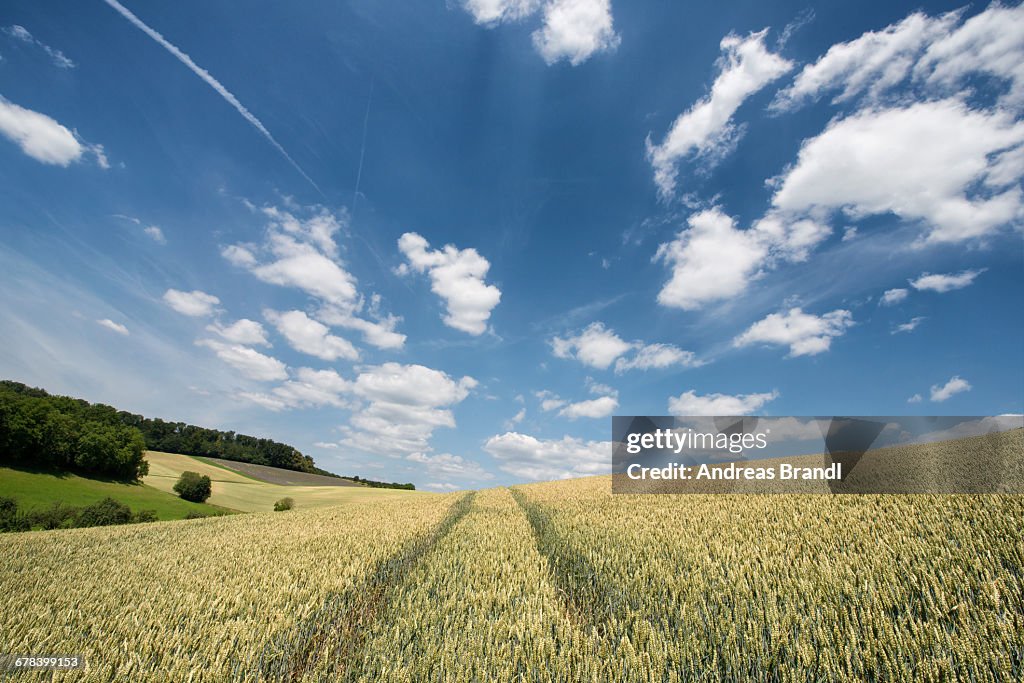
[[193, 486], [10, 518], [144, 516], [195, 515], [284, 504], [57, 516], [104, 513]]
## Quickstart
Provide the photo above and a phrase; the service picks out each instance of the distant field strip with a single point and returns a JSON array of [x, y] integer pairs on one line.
[[322, 646], [276, 475], [240, 491]]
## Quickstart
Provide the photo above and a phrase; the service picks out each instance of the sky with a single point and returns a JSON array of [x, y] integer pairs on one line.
[[444, 242]]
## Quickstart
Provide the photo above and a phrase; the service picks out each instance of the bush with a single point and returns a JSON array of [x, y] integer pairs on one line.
[[10, 518], [193, 486], [284, 504], [57, 516], [104, 513], [195, 515], [144, 516]]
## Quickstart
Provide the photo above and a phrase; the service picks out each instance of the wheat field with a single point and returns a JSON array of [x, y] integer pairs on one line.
[[560, 581]]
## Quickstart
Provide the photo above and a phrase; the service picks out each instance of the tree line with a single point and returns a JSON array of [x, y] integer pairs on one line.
[[39, 429]]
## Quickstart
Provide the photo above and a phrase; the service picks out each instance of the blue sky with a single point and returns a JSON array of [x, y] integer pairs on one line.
[[445, 242]]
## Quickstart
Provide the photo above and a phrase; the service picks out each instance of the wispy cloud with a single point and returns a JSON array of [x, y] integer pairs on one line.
[[213, 83], [59, 59]]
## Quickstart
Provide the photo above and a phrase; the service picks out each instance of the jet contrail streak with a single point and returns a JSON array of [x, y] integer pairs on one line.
[[213, 83]]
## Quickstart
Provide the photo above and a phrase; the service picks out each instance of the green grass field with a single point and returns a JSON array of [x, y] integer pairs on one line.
[[240, 492], [37, 490]]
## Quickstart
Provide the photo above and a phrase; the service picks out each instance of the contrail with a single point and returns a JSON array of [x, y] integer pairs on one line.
[[362, 149], [213, 83]]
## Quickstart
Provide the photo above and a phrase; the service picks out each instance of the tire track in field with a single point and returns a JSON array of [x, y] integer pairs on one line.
[[336, 631], [590, 600]]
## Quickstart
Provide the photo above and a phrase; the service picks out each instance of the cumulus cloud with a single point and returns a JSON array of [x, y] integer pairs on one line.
[[448, 465], [309, 388], [115, 327], [515, 419], [871, 64], [403, 405], [457, 276], [249, 362], [573, 30], [155, 233], [691, 403], [934, 162], [712, 259], [242, 331], [195, 303], [954, 386], [596, 346], [893, 296], [59, 59], [310, 336], [528, 457], [805, 334], [300, 252], [916, 398], [910, 325], [656, 356], [705, 130], [42, 138], [595, 408], [945, 283]]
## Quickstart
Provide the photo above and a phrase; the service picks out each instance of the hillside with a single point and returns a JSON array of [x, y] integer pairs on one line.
[[276, 475], [238, 491], [37, 490]]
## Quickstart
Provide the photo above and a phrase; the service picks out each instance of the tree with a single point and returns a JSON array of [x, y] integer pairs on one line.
[[193, 486], [284, 504]]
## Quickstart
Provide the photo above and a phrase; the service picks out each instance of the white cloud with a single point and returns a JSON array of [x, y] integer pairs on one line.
[[549, 400], [893, 296], [515, 419], [988, 43], [572, 29], [310, 336], [651, 356], [309, 388], [300, 251], [954, 386], [243, 331], [325, 444], [804, 333], [916, 398], [156, 234], [575, 30], [404, 405], [595, 408], [938, 162], [945, 283], [59, 59], [490, 12], [596, 346], [42, 138], [710, 261], [249, 362], [910, 325], [705, 130], [448, 465], [985, 425], [691, 403], [528, 457], [195, 303], [850, 234], [457, 276], [874, 62], [116, 327]]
